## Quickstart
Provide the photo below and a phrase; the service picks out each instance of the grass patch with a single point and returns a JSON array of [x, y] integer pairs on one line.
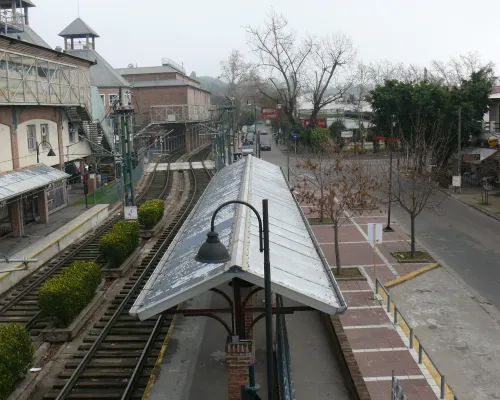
[[316, 221], [348, 274], [105, 194], [405, 256], [480, 203]]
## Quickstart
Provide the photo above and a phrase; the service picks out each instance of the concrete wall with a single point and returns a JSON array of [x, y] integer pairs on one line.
[[46, 248], [73, 151], [6, 163]]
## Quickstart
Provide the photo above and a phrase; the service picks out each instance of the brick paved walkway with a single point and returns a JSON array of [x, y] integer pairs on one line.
[[380, 347]]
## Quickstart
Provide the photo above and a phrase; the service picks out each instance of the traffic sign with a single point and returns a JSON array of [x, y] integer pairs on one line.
[[130, 213], [295, 136], [374, 233]]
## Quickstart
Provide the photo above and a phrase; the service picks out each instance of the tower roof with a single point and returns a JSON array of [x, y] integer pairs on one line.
[[8, 4], [78, 29]]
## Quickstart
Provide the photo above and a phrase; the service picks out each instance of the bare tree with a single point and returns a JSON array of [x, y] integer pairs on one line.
[[415, 180], [457, 69], [236, 72], [361, 88], [333, 183], [330, 56], [282, 60]]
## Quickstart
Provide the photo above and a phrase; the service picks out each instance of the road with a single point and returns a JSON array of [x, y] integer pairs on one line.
[[460, 236]]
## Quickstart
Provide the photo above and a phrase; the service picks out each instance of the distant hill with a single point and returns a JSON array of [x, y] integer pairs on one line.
[[213, 85]]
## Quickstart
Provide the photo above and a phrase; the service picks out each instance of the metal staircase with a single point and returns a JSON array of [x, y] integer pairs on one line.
[[93, 125]]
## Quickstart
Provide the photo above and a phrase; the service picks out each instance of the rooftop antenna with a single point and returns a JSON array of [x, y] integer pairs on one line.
[[78, 6]]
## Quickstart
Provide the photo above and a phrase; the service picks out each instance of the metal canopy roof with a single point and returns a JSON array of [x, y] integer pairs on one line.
[[299, 269], [18, 182]]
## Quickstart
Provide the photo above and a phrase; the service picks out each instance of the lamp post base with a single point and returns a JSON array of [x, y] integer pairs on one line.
[[388, 229]]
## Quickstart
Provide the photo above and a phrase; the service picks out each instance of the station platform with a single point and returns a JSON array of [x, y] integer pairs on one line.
[[194, 363], [44, 241]]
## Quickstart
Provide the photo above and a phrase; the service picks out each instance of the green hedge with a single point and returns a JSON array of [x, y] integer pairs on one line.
[[151, 212], [117, 245], [16, 356], [62, 297]]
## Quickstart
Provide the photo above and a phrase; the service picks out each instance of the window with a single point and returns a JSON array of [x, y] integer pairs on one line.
[[128, 99], [103, 98], [31, 137], [113, 98], [44, 132], [73, 137]]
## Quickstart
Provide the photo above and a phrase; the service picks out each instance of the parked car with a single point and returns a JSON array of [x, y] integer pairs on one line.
[[247, 149], [265, 144]]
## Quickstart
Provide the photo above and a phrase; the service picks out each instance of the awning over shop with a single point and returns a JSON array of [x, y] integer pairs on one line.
[[18, 182], [299, 270], [482, 153]]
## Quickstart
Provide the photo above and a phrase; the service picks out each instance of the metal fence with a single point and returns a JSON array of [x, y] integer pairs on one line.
[[284, 362], [446, 392], [112, 192]]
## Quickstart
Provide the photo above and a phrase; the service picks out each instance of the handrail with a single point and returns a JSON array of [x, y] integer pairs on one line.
[[412, 338]]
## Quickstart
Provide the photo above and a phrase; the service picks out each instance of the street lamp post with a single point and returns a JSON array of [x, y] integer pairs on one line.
[[214, 252], [388, 228], [255, 123], [49, 154]]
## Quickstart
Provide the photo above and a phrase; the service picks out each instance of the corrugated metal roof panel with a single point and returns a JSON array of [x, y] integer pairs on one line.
[[78, 28], [21, 181], [298, 270]]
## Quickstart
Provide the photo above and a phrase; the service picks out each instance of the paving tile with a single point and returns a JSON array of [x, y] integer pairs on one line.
[[360, 299], [379, 338], [384, 274], [383, 363], [347, 233], [375, 316], [353, 285], [351, 254], [414, 389]]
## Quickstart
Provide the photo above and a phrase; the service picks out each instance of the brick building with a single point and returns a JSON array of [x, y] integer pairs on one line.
[[165, 99]]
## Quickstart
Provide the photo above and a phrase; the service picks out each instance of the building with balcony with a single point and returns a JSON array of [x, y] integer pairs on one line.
[[50, 120], [166, 100]]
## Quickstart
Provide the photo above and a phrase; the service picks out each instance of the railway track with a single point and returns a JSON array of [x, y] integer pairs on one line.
[[116, 357], [20, 304]]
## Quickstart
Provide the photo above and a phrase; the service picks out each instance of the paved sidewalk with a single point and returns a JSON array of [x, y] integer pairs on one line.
[[474, 197], [380, 347]]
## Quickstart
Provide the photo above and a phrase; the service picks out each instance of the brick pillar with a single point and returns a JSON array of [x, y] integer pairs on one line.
[[248, 318], [239, 356], [15, 217], [43, 206]]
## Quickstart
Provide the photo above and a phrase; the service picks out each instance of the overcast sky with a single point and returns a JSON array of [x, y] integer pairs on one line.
[[201, 33]]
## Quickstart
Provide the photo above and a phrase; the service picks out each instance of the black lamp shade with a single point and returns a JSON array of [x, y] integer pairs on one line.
[[51, 153], [213, 251]]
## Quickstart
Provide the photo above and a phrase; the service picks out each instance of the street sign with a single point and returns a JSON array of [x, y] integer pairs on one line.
[[493, 141], [471, 157], [269, 113], [374, 233], [346, 134], [130, 213], [456, 181], [320, 122], [295, 136]]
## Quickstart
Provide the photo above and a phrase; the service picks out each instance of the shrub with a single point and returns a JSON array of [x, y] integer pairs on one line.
[[16, 356], [62, 297], [117, 245], [151, 212]]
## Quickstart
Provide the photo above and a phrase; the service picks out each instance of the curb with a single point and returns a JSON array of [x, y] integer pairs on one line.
[[480, 209], [411, 275]]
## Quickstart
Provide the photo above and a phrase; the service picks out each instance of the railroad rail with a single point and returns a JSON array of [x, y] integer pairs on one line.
[[20, 303], [116, 357]]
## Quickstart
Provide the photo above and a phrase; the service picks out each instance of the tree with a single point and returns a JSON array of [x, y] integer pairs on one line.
[[415, 181], [330, 56], [282, 60], [459, 69], [332, 184]]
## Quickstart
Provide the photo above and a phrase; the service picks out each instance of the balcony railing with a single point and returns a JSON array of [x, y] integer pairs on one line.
[[179, 114], [491, 126], [26, 79], [10, 21]]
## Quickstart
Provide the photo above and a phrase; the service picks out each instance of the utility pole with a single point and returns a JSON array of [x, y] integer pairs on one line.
[[459, 157], [129, 158], [388, 228], [124, 157]]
